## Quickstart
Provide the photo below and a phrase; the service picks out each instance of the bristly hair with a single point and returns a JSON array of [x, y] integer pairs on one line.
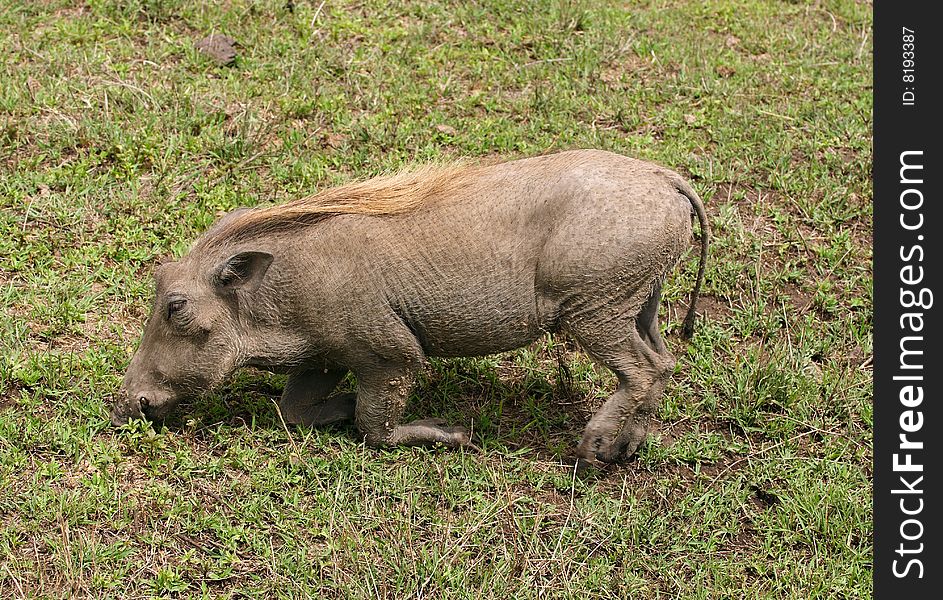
[[384, 195]]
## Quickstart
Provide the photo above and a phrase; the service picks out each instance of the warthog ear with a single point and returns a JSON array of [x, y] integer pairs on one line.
[[243, 271]]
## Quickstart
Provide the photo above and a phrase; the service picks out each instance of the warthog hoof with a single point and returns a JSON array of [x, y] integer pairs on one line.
[[604, 447], [431, 431]]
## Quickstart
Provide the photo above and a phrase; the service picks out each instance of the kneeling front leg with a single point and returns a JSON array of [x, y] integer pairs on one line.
[[306, 399], [381, 400]]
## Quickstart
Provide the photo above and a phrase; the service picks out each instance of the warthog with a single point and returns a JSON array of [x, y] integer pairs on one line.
[[375, 276]]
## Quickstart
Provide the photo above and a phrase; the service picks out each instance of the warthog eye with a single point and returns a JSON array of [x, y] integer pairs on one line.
[[175, 306]]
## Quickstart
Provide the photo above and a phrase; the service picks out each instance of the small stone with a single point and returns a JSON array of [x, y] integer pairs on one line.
[[220, 48]]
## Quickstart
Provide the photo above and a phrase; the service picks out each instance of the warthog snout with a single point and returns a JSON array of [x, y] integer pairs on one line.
[[150, 404]]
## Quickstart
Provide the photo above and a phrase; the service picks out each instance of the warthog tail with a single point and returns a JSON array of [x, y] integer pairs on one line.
[[688, 192]]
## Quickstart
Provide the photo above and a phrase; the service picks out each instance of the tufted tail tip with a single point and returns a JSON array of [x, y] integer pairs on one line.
[[687, 330]]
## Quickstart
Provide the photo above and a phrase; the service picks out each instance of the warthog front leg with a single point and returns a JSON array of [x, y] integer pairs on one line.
[[306, 399], [381, 399]]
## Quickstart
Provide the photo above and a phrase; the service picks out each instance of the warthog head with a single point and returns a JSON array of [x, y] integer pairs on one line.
[[194, 337]]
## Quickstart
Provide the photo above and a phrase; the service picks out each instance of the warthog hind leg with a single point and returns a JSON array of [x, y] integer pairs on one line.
[[634, 351]]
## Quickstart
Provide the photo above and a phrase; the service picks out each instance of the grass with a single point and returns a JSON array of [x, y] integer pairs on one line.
[[119, 144]]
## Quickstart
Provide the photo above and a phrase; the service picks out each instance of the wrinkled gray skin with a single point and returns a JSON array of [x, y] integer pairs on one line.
[[577, 242]]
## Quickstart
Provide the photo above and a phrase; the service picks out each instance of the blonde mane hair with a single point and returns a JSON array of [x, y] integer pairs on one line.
[[384, 195]]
